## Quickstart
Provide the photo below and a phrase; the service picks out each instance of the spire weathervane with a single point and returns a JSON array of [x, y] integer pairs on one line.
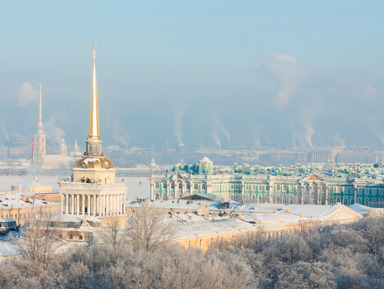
[[94, 116], [94, 140], [40, 112]]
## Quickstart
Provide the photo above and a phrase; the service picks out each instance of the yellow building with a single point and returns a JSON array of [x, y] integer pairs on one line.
[[93, 190]]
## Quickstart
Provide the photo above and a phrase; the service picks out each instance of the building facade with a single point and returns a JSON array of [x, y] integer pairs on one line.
[[295, 185]]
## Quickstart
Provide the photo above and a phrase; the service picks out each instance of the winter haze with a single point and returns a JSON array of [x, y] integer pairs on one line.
[[204, 73]]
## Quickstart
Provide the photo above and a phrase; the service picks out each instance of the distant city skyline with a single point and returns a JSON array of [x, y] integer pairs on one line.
[[214, 74]]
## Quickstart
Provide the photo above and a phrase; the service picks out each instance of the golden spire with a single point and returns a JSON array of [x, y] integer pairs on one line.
[[40, 113], [94, 117]]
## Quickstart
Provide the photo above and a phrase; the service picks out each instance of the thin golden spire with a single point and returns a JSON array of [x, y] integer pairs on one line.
[[94, 116], [40, 112]]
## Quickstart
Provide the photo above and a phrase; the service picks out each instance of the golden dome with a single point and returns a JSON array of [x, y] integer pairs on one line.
[[92, 162]]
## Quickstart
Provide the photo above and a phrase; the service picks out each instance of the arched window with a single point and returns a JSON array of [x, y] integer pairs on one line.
[[366, 202], [360, 200], [338, 199], [195, 187], [345, 201]]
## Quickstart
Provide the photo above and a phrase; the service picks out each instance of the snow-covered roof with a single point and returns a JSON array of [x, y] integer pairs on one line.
[[364, 210], [205, 160], [14, 201], [201, 225], [6, 220]]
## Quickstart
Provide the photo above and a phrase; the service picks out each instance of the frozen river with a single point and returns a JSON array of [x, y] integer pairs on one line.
[[137, 187]]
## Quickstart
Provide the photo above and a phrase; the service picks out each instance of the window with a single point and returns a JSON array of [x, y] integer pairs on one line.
[[359, 191], [237, 186], [253, 187], [345, 201], [180, 186], [165, 185], [374, 192], [189, 244], [201, 243], [359, 200], [366, 202], [231, 186], [246, 187], [278, 187], [260, 188], [157, 185], [284, 188]]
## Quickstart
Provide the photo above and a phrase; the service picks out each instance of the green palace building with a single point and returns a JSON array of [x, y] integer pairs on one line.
[[322, 184]]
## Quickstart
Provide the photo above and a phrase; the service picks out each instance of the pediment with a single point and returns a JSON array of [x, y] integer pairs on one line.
[[343, 213], [312, 177]]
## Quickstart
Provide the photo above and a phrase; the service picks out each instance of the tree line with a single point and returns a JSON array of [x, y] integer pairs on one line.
[[341, 256]]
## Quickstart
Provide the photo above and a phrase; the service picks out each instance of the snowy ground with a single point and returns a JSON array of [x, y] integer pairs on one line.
[[137, 187]]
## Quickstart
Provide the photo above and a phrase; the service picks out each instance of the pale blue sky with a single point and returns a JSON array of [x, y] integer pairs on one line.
[[231, 72]]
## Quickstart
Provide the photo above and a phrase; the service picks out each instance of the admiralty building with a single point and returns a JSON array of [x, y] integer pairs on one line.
[[322, 184]]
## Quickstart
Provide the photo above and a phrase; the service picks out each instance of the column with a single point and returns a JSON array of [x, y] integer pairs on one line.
[[113, 204], [72, 204], [61, 203], [108, 211], [83, 204], [89, 205], [120, 202], [100, 206], [94, 205], [78, 204], [66, 203], [118, 196]]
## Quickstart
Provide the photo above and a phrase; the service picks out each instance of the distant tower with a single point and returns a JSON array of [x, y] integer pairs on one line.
[[39, 141], [76, 147], [153, 162], [63, 148]]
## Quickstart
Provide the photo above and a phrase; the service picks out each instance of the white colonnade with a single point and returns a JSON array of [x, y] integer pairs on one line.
[[100, 205]]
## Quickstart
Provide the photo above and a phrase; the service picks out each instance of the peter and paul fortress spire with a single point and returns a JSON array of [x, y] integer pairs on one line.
[[39, 139], [94, 140], [40, 113]]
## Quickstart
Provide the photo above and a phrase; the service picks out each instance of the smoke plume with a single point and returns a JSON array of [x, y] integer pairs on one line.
[[289, 75]]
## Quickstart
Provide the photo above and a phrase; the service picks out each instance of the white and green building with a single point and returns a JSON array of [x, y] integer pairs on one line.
[[310, 184]]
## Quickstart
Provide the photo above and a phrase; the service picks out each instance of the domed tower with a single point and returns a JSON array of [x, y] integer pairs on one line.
[[93, 190]]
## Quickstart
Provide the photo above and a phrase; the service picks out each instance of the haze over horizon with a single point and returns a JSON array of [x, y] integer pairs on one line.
[[208, 74]]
